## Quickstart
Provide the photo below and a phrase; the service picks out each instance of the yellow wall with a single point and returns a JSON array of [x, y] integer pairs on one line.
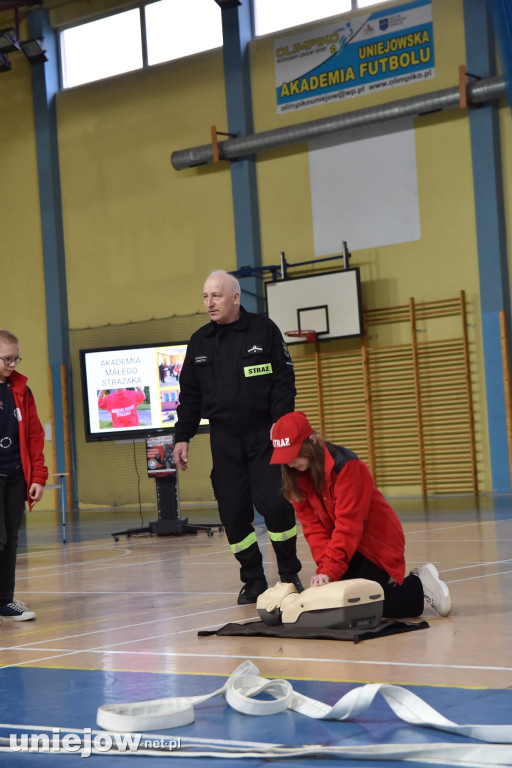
[[23, 308], [140, 236]]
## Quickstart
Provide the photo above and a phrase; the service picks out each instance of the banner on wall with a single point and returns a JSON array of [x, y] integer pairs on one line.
[[355, 56]]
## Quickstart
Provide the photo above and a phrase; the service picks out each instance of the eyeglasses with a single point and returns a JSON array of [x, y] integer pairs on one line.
[[11, 360]]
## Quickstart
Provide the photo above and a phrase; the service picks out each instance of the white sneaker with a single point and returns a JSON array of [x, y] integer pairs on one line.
[[17, 611], [435, 591]]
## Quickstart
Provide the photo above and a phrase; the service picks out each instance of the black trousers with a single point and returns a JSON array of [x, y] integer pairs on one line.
[[400, 600], [12, 506], [243, 479]]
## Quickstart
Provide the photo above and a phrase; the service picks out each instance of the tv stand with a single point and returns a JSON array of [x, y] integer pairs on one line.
[[169, 522]]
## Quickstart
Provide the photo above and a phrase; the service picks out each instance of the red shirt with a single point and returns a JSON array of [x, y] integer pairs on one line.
[[123, 407], [351, 514]]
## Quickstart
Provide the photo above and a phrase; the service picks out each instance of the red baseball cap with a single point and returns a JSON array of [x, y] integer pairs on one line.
[[288, 434]]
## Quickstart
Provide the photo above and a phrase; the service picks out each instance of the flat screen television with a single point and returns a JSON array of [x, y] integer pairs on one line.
[[131, 392]]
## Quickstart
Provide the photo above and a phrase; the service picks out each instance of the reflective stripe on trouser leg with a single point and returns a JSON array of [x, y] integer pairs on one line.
[[249, 556], [283, 535], [245, 544], [251, 564]]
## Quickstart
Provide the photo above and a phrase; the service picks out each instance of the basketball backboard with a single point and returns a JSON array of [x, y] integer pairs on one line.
[[328, 303]]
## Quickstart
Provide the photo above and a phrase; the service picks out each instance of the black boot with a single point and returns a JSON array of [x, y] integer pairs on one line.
[[251, 574], [288, 564], [292, 578], [251, 591]]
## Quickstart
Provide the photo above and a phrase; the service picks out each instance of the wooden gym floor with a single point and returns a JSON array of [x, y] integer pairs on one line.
[[118, 621]]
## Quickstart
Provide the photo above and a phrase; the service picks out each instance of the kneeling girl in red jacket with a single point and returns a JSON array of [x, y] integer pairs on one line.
[[350, 528]]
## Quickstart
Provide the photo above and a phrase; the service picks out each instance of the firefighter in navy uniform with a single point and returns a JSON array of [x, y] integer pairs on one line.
[[238, 374]]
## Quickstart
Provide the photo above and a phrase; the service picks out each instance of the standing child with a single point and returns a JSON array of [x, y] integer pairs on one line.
[[352, 531], [23, 473]]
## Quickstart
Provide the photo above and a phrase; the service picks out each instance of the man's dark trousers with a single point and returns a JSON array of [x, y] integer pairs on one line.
[[243, 480]]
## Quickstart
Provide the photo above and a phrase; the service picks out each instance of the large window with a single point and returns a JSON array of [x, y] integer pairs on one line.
[[175, 28], [274, 15], [116, 44], [366, 3], [101, 48]]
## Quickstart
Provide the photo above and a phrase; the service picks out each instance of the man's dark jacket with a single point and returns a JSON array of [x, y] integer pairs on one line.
[[238, 375]]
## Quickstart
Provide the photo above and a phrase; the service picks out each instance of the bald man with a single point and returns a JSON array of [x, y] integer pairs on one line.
[[238, 374]]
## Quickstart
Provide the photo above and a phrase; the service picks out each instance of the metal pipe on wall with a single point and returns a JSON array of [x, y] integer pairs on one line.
[[478, 92]]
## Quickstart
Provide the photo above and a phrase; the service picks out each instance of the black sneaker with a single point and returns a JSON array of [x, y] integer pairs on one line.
[[251, 591], [292, 578], [17, 611]]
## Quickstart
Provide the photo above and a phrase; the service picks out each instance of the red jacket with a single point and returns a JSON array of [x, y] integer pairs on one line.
[[31, 433], [351, 515]]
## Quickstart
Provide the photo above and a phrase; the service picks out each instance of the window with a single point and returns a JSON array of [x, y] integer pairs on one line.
[[274, 15], [175, 28], [101, 48], [114, 44], [367, 3]]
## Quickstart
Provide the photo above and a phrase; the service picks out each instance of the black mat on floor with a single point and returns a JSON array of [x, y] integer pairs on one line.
[[260, 629]]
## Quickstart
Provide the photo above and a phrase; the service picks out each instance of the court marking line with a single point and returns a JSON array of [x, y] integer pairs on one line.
[[330, 679], [90, 622], [123, 552], [97, 544], [82, 547], [448, 527], [168, 543], [70, 568], [73, 546], [132, 592], [479, 564], [66, 567], [62, 653], [227, 594], [476, 578], [211, 596], [109, 648], [139, 624]]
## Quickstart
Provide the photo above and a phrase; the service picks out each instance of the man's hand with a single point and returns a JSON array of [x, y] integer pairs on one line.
[[35, 492], [319, 579], [180, 454]]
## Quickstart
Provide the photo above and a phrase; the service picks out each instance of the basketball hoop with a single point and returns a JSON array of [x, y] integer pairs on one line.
[[307, 335]]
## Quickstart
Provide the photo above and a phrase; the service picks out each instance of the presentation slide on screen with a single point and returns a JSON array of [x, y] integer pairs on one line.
[[133, 388]]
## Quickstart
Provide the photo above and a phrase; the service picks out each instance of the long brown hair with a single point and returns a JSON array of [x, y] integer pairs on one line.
[[312, 449]]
